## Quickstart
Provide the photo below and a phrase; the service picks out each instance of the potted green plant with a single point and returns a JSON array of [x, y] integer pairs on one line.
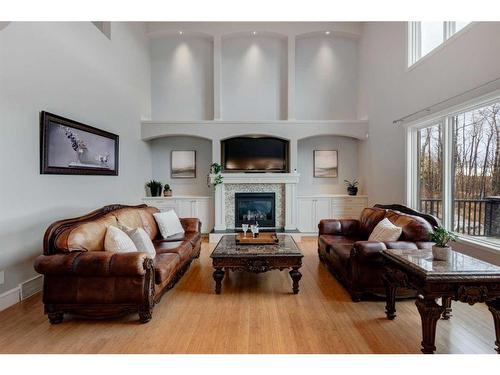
[[216, 170], [352, 187], [441, 237], [155, 187], [167, 192]]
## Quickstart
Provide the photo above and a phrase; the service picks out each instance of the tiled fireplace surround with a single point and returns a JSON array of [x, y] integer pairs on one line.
[[282, 184], [277, 189]]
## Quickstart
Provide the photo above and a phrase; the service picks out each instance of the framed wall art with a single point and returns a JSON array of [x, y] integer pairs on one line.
[[183, 164], [70, 147], [325, 163]]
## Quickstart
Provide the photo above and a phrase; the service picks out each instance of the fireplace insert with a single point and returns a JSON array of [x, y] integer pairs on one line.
[[250, 208]]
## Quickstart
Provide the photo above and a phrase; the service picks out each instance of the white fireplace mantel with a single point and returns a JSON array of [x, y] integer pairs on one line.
[[290, 180], [258, 178]]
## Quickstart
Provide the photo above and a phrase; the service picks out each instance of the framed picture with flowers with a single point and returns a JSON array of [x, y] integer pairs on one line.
[[70, 147]]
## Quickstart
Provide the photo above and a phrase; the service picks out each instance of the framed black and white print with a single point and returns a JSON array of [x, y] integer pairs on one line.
[[325, 163], [183, 164], [70, 147]]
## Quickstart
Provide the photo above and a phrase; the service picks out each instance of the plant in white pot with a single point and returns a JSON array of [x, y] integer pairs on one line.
[[441, 237]]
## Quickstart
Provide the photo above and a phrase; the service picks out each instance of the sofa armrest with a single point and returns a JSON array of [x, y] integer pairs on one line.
[[367, 250], [94, 263], [191, 224], [338, 227]]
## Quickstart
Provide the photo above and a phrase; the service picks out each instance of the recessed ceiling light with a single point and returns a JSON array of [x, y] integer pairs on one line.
[[180, 32], [254, 32], [327, 32]]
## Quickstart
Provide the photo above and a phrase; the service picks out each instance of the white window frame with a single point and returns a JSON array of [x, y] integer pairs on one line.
[[414, 50], [444, 118]]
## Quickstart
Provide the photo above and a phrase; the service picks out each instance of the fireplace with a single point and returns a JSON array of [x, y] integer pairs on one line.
[[255, 207]]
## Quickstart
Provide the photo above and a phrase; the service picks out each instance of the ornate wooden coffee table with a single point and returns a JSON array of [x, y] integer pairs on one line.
[[462, 278], [229, 256]]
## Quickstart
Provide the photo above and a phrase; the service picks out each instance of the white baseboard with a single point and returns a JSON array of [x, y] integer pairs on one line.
[[9, 298], [31, 286], [24, 290]]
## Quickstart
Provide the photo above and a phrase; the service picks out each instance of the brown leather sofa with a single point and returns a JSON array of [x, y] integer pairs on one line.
[[82, 279], [356, 262]]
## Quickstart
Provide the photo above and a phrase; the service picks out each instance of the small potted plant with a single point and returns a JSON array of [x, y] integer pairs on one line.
[[441, 237], [155, 187], [167, 192], [216, 170], [352, 187]]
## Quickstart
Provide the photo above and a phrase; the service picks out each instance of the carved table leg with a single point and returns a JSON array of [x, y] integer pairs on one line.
[[390, 299], [446, 303], [296, 276], [494, 307], [218, 277], [430, 312]]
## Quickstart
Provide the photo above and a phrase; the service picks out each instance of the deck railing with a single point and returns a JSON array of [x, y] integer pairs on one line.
[[470, 216]]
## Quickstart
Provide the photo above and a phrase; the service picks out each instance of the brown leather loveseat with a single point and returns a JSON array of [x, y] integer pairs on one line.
[[356, 262], [82, 279]]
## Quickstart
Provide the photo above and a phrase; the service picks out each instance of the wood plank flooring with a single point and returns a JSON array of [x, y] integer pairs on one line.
[[254, 314]]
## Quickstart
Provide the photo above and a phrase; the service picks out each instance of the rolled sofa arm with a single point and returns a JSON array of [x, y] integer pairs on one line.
[[367, 250], [191, 224], [94, 263], [338, 227]]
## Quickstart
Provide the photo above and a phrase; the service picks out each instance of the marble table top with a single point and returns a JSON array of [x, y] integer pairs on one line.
[[459, 265], [227, 246]]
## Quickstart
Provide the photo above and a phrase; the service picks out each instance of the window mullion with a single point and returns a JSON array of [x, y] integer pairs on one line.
[[414, 42], [447, 172], [449, 29]]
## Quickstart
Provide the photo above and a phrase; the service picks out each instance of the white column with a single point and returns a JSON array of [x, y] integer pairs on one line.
[[290, 207], [220, 208], [293, 154], [217, 76], [291, 78], [216, 150]]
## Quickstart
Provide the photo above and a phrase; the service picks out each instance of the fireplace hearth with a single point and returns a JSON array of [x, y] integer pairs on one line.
[[255, 207]]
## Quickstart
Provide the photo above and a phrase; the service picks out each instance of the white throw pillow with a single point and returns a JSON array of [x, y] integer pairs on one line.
[[385, 231], [168, 223], [117, 241], [141, 240]]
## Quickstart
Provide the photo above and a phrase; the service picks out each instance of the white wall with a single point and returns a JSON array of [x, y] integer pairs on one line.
[[388, 91], [161, 149], [253, 78], [182, 78], [347, 158], [73, 70], [326, 77]]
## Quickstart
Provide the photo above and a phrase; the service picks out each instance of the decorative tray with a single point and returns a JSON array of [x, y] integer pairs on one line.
[[264, 238]]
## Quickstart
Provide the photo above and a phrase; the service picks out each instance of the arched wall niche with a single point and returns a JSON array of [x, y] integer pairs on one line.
[[182, 76], [254, 77], [326, 76], [161, 150], [348, 159]]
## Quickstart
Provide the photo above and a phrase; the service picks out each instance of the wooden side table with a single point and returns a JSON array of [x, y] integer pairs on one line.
[[462, 278]]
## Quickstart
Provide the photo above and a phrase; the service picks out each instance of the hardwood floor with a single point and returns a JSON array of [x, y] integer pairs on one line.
[[254, 314]]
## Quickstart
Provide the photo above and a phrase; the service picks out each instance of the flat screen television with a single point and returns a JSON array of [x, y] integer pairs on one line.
[[255, 154]]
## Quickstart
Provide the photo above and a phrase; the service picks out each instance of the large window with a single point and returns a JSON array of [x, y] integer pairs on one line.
[[423, 37], [430, 165], [454, 164]]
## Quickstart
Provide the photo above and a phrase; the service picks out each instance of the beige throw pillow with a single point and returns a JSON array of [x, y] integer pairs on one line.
[[385, 231], [117, 241], [141, 240], [168, 223]]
